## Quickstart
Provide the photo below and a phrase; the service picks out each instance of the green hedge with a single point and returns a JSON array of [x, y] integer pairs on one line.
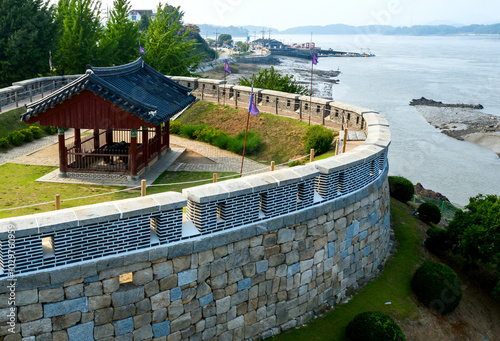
[[437, 286], [374, 326], [15, 138], [436, 241], [4, 143], [401, 189], [217, 137]]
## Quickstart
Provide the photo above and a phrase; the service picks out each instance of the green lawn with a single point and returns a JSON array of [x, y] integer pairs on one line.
[[393, 285], [19, 188]]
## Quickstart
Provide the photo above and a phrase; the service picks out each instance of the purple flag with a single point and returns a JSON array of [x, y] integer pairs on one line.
[[50, 60], [141, 49], [315, 59], [226, 67], [252, 108]]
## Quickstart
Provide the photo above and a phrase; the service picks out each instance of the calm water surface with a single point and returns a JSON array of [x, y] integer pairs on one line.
[[447, 69]]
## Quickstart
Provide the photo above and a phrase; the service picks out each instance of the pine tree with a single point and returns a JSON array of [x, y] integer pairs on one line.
[[27, 34], [120, 43], [80, 32], [168, 51]]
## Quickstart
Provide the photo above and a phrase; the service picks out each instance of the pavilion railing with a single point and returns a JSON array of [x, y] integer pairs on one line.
[[98, 160]]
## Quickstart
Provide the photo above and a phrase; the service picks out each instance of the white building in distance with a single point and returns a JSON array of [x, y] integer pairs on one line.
[[136, 14]]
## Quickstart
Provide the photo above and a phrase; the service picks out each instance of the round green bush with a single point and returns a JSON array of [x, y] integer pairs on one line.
[[16, 138], [401, 188], [437, 286], [4, 143], [50, 130], [28, 135], [429, 213], [175, 127], [318, 138], [436, 241], [37, 132], [374, 326], [222, 141]]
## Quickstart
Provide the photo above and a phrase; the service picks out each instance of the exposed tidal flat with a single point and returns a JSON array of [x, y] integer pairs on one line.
[[458, 69]]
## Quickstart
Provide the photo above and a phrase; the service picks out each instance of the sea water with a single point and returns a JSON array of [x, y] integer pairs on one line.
[[456, 69]]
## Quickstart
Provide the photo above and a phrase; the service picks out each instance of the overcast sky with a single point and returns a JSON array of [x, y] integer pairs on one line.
[[292, 13]]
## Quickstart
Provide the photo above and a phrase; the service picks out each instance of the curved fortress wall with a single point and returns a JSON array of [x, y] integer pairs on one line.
[[251, 257]]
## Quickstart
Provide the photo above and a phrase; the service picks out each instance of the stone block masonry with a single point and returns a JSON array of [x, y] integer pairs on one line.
[[251, 258]]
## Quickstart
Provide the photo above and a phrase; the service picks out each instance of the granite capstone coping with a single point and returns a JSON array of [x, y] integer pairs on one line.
[[136, 206], [23, 226], [98, 213]]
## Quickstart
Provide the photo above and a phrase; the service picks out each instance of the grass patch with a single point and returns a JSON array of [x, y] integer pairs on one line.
[[18, 188], [10, 121], [393, 285], [325, 156], [281, 136]]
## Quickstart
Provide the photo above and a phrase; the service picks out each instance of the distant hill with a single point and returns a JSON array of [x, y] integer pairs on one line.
[[418, 30]]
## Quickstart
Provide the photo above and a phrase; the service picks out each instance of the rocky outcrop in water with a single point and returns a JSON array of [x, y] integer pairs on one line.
[[432, 103]]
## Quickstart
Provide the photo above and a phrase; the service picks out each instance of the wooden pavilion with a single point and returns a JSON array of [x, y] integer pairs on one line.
[[128, 110]]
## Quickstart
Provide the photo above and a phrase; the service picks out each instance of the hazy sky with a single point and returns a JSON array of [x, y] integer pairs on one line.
[[292, 13]]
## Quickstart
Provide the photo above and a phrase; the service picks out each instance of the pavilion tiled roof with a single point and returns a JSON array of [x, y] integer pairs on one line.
[[135, 87]]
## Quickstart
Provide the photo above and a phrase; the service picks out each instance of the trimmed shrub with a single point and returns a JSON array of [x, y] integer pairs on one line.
[[36, 131], [318, 138], [429, 213], [297, 163], [4, 143], [175, 127], [28, 135], [436, 241], [222, 141], [374, 326], [236, 143], [16, 138], [189, 130], [208, 134], [401, 188], [50, 130], [437, 286]]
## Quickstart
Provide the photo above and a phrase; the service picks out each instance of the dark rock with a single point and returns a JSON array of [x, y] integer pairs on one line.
[[432, 103], [420, 190]]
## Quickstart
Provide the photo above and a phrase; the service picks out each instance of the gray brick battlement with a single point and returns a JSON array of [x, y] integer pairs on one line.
[[239, 259]]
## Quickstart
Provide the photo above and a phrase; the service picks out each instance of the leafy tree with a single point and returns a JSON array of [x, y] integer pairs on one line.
[[475, 232], [78, 45], [224, 38], [144, 23], [167, 51], [27, 34], [120, 43], [272, 80], [202, 48], [241, 46]]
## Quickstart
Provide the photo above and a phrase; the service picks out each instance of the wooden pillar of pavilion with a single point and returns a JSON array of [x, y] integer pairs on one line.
[[167, 128], [145, 145], [97, 143], [109, 137], [63, 155], [158, 140], [133, 153], [78, 147]]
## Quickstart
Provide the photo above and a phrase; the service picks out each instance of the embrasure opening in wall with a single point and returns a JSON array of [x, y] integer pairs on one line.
[[221, 211], [154, 223], [48, 247]]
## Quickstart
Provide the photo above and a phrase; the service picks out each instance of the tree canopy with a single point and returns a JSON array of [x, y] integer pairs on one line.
[[80, 33], [273, 80], [120, 42], [167, 51], [27, 34], [475, 232], [224, 38]]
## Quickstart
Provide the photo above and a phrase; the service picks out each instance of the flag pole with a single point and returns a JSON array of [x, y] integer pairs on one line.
[[311, 88], [244, 145], [224, 92]]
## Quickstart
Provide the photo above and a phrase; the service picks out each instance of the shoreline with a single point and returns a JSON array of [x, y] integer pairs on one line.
[[465, 124]]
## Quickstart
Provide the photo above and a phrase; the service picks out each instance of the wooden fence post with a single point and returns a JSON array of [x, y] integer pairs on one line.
[[143, 188], [58, 202], [273, 165], [311, 157], [214, 178]]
